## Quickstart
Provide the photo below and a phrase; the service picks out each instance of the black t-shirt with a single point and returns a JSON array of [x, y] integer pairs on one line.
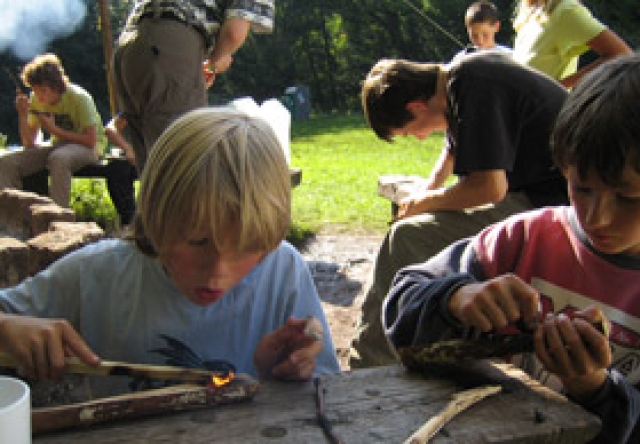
[[500, 116]]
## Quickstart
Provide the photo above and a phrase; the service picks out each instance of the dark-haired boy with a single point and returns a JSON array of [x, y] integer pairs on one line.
[[482, 22], [498, 116], [560, 270]]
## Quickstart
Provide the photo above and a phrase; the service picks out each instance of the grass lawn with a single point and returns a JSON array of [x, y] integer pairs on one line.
[[341, 159]]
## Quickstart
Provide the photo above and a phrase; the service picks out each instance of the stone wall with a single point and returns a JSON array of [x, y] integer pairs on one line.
[[34, 232]]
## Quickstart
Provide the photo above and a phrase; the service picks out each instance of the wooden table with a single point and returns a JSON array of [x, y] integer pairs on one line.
[[380, 405]]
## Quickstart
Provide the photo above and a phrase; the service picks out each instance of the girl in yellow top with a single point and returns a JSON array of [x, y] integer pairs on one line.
[[552, 34]]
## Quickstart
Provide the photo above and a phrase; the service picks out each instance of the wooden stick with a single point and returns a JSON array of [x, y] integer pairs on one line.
[[321, 414], [114, 368], [139, 404], [460, 402]]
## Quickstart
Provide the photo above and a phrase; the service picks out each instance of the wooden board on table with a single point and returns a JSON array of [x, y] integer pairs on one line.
[[377, 405], [174, 398]]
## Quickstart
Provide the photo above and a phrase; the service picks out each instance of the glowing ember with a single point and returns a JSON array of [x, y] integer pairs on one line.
[[220, 380]]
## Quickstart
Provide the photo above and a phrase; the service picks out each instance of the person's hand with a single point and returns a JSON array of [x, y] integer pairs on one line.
[[575, 349], [211, 70], [408, 207], [416, 203], [47, 122], [209, 74], [496, 303], [22, 103], [42, 345], [223, 63], [290, 351]]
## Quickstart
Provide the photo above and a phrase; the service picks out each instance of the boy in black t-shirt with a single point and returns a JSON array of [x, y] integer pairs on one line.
[[497, 116]]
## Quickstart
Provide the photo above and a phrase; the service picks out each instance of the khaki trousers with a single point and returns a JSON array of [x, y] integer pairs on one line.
[[61, 161], [158, 76], [410, 241]]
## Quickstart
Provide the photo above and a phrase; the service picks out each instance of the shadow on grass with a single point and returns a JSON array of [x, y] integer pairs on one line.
[[300, 237]]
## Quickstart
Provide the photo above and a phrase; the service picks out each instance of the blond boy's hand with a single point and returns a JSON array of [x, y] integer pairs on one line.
[[42, 345], [290, 351], [496, 303], [575, 349]]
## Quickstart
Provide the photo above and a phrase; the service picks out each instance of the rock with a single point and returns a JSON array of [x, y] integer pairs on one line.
[[61, 239], [43, 215], [15, 211], [14, 260]]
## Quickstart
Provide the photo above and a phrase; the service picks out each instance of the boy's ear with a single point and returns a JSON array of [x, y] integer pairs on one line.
[[496, 26]]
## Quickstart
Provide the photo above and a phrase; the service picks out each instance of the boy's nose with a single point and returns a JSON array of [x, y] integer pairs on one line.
[[598, 212], [215, 266]]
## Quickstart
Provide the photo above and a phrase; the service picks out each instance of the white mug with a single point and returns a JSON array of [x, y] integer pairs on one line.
[[15, 411]]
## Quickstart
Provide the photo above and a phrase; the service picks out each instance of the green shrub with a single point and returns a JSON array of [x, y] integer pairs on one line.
[[91, 202]]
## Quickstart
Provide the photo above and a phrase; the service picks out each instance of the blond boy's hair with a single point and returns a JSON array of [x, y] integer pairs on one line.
[[597, 129], [217, 172]]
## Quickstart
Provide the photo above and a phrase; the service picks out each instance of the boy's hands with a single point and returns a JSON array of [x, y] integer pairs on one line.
[[42, 345], [575, 350], [496, 303], [47, 123], [290, 351], [22, 103]]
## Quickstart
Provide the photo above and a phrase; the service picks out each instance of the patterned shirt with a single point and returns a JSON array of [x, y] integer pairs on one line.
[[206, 16]]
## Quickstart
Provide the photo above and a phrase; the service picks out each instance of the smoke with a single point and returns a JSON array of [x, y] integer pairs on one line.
[[28, 26]]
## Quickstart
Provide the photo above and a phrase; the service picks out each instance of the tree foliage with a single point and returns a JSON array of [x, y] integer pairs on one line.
[[328, 45]]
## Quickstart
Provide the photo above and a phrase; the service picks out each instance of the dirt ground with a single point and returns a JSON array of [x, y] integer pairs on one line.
[[341, 265]]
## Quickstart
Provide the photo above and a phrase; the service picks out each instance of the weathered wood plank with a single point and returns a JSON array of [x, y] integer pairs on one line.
[[381, 405], [174, 398]]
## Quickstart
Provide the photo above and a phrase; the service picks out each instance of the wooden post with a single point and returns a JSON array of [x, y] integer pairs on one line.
[[107, 44]]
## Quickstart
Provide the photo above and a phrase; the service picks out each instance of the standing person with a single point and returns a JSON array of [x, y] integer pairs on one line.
[[552, 34], [207, 265], [497, 116], [68, 114], [158, 64], [558, 270], [482, 22]]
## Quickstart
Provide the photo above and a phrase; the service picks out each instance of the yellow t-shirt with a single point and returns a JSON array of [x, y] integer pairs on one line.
[[75, 111], [551, 43]]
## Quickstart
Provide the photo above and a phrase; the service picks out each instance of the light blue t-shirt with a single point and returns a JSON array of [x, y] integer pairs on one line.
[[120, 301]]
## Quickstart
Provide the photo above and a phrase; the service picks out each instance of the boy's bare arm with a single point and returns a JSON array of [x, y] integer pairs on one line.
[[441, 170], [28, 132], [477, 188], [607, 45], [233, 33]]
